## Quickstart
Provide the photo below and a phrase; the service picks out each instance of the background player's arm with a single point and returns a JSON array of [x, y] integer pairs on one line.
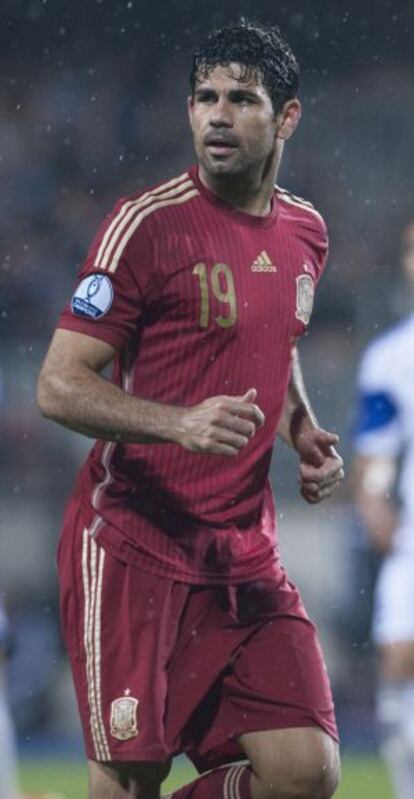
[[72, 392], [320, 468], [378, 438], [373, 479]]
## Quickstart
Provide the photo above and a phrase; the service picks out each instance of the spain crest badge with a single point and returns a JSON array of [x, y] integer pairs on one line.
[[304, 298], [124, 723]]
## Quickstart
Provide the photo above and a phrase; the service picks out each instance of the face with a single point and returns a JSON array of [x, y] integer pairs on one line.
[[408, 252], [235, 129]]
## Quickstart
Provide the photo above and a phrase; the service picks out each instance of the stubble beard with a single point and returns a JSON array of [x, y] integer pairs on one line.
[[239, 169]]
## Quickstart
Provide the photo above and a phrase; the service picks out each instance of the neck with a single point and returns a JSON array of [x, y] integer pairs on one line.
[[249, 193]]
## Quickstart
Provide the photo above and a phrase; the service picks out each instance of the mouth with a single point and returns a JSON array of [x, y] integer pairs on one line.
[[219, 146]]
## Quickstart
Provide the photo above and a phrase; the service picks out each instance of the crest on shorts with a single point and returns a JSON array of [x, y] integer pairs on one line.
[[304, 298], [124, 717]]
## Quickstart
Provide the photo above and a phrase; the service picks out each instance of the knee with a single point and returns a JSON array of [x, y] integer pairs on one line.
[[111, 780], [306, 779], [318, 782]]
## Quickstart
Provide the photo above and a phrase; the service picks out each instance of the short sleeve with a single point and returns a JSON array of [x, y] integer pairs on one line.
[[113, 282], [377, 418], [313, 239], [321, 246]]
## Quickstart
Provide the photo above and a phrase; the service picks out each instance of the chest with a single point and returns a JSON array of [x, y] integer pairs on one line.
[[239, 281]]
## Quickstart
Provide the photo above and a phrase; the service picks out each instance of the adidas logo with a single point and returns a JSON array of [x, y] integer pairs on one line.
[[263, 263]]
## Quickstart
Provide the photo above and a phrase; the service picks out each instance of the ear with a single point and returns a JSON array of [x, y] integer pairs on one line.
[[190, 106], [288, 119]]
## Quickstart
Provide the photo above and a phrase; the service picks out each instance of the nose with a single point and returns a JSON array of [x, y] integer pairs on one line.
[[221, 116]]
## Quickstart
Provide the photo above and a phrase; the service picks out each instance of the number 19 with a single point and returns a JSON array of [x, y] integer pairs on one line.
[[220, 274]]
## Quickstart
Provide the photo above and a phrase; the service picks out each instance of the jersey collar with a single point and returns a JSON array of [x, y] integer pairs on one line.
[[243, 217]]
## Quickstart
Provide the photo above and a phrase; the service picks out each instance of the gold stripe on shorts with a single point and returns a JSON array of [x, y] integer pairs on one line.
[[93, 560]]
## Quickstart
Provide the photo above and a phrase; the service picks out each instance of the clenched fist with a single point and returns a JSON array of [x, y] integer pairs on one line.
[[220, 425]]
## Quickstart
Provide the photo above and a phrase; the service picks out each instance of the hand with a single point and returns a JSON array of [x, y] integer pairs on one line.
[[220, 425], [320, 468]]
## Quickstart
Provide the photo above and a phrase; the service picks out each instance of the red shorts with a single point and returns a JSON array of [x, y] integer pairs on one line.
[[162, 667]]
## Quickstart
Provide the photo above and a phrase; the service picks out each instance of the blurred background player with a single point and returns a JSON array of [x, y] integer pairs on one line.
[[8, 757], [383, 479]]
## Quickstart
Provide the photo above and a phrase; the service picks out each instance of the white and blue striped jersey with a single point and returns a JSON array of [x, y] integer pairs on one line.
[[384, 422]]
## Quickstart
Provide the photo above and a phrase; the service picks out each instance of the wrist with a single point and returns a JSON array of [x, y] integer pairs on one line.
[[158, 423], [176, 428], [301, 421]]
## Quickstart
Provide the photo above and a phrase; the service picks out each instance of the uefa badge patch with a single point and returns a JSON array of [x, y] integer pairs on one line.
[[124, 717], [93, 297], [304, 298]]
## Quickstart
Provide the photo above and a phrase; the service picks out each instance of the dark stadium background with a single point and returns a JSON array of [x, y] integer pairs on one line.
[[92, 107]]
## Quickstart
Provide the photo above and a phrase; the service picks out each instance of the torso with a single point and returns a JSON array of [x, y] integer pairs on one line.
[[227, 297]]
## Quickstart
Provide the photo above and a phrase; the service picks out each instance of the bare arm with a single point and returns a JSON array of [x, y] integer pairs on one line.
[[320, 467], [373, 479], [72, 392], [297, 410]]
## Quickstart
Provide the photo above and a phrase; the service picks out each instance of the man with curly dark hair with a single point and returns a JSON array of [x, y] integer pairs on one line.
[[183, 630], [261, 52]]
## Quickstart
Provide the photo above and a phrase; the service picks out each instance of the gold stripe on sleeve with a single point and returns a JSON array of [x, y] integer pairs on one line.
[[141, 216], [112, 231]]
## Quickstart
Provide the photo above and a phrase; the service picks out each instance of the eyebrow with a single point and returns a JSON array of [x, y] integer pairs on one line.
[[234, 94]]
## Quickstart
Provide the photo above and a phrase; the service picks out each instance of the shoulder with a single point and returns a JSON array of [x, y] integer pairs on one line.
[[384, 358], [302, 212], [132, 219], [307, 226], [153, 199]]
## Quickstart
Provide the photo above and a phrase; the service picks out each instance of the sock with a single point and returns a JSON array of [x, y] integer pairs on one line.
[[227, 782], [395, 713]]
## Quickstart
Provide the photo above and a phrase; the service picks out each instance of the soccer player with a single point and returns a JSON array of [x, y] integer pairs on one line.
[[384, 435], [183, 630]]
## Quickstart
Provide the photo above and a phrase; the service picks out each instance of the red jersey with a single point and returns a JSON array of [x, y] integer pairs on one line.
[[200, 299]]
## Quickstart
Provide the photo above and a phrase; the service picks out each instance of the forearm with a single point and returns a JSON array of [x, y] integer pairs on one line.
[[297, 411], [320, 466], [379, 515], [373, 479], [72, 392], [82, 400]]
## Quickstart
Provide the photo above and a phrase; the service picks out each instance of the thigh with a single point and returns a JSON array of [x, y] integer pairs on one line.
[[119, 626], [280, 679], [277, 679]]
